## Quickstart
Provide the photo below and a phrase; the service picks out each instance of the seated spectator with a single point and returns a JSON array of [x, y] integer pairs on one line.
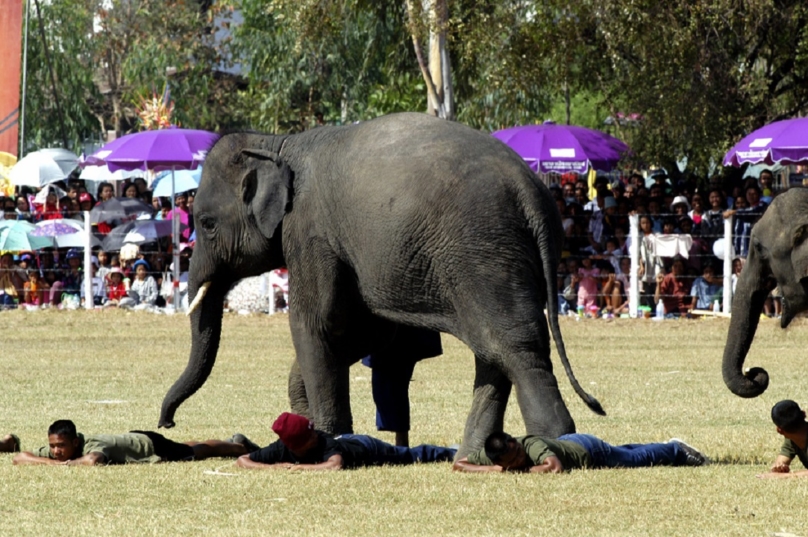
[[69, 289], [50, 209], [36, 290], [674, 290], [12, 282], [705, 289], [116, 288], [167, 289], [615, 299], [569, 293], [588, 285], [142, 289], [9, 209], [99, 288]]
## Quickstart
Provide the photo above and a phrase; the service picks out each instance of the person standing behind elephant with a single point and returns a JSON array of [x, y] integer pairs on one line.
[[789, 419], [392, 369]]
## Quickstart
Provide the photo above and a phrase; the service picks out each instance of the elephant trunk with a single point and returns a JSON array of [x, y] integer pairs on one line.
[[206, 329], [747, 304], [550, 264]]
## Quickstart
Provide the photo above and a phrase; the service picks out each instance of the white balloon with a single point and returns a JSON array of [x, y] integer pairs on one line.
[[719, 248]]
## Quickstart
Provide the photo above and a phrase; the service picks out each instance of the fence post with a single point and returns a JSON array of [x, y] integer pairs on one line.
[[729, 253], [88, 263], [634, 280]]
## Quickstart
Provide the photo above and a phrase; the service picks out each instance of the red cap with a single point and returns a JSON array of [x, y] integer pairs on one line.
[[293, 430], [85, 197]]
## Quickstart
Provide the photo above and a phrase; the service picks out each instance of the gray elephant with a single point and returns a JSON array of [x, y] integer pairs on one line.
[[402, 220], [778, 256]]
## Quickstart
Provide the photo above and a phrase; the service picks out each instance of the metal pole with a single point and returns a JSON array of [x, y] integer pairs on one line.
[[88, 269], [729, 253], [21, 152], [175, 233], [634, 281]]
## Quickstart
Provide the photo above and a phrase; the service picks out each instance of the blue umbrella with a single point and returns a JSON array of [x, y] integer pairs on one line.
[[184, 180]]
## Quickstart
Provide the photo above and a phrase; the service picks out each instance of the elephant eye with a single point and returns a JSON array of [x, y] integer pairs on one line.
[[208, 223]]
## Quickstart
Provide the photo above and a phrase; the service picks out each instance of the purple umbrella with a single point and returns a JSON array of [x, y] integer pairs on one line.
[[164, 149], [563, 148], [54, 228], [784, 142]]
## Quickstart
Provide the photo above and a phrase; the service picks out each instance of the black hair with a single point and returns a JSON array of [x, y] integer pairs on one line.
[[788, 416], [63, 428], [102, 186], [496, 445]]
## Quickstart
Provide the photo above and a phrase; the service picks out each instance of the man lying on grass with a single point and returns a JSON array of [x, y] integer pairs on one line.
[[790, 421], [66, 446], [302, 447], [540, 455]]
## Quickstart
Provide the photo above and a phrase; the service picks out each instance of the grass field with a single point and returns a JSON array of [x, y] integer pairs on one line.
[[109, 371]]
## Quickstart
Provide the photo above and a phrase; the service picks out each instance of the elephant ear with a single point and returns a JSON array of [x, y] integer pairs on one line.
[[266, 189], [799, 251]]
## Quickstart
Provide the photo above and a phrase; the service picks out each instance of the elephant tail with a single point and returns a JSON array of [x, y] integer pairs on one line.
[[548, 234]]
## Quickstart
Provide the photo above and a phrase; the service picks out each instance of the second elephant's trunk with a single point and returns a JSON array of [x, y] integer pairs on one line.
[[206, 330], [747, 304]]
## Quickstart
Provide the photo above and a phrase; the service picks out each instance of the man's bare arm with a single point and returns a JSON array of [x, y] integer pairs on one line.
[[551, 465], [333, 463], [90, 459], [463, 465], [28, 458]]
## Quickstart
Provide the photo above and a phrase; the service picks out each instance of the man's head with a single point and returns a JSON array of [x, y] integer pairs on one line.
[[296, 432], [63, 440], [788, 417], [505, 451]]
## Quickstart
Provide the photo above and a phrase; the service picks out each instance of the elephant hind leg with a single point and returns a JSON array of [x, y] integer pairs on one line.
[[491, 392], [298, 401]]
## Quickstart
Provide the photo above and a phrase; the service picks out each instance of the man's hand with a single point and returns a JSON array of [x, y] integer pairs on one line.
[[463, 465], [551, 465]]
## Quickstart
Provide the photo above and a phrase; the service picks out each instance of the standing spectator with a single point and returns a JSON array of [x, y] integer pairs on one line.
[[9, 209], [23, 209], [697, 211], [680, 206], [673, 289], [650, 264], [103, 265], [130, 190], [105, 192], [712, 222], [181, 207], [766, 180], [745, 218]]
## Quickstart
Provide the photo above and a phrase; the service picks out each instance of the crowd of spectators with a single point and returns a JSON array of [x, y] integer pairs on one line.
[[135, 276], [679, 224]]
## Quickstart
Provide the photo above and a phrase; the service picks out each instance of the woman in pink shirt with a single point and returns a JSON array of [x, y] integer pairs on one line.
[[588, 286]]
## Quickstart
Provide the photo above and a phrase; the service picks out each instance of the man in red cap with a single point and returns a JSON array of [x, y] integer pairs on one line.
[[302, 447]]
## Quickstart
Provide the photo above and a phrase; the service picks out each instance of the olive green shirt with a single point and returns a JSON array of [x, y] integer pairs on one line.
[[117, 448], [791, 450], [571, 454]]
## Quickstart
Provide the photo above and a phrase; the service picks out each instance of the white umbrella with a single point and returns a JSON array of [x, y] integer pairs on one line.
[[45, 166], [102, 173], [75, 240], [148, 231]]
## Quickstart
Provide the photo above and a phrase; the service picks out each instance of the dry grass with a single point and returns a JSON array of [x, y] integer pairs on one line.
[[656, 380]]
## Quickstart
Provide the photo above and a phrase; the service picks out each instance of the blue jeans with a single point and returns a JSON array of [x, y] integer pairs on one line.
[[629, 455], [383, 453]]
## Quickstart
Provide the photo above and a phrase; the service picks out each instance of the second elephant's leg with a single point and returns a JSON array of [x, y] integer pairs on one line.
[[491, 391]]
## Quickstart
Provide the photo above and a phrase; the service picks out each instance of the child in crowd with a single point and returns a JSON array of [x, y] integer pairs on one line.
[[588, 286], [99, 289], [705, 289], [116, 288], [103, 265], [143, 289], [35, 290], [613, 292]]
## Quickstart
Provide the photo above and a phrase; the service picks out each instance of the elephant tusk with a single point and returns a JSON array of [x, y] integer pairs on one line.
[[200, 295]]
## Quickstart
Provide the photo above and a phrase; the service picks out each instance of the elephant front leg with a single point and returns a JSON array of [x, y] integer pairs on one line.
[[491, 392], [326, 381]]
